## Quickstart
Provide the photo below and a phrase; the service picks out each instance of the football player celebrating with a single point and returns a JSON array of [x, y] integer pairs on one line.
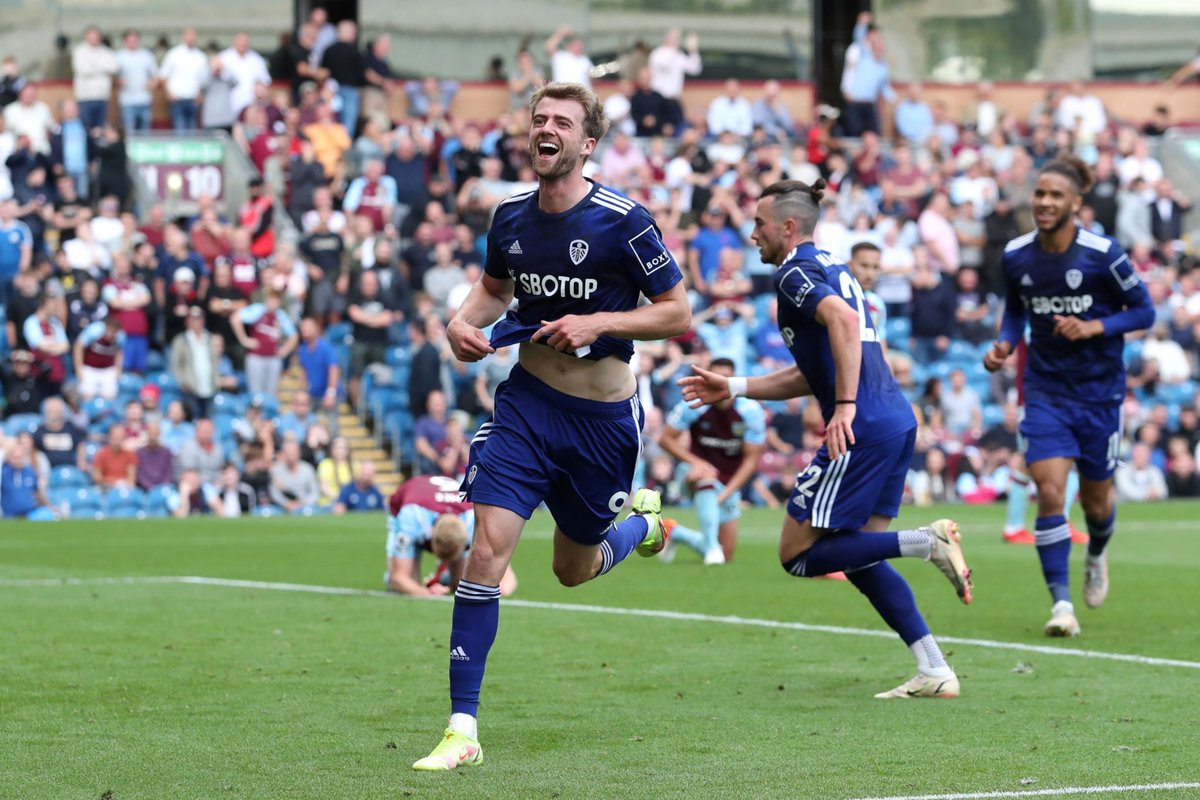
[[1080, 295]]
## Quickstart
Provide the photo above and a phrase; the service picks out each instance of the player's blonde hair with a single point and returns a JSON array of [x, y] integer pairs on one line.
[[449, 538], [595, 123]]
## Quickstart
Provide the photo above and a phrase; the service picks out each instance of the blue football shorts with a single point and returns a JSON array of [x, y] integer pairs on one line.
[[866, 480], [541, 445], [1090, 433]]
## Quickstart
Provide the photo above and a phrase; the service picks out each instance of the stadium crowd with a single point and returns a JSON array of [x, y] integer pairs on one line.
[[143, 355]]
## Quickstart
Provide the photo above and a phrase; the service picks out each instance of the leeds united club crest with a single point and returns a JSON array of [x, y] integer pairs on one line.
[[579, 251], [1074, 278]]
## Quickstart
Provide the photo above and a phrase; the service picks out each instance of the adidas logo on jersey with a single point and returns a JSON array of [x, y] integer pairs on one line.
[[515, 249], [458, 654]]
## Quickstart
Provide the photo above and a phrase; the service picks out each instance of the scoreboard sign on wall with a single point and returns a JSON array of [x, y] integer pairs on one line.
[[180, 169]]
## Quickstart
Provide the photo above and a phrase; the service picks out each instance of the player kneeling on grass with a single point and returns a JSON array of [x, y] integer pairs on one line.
[[428, 514], [842, 505], [725, 441]]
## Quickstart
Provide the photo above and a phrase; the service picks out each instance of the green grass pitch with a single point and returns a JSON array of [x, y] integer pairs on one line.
[[177, 690]]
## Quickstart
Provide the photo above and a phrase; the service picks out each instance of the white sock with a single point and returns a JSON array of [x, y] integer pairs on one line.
[[1062, 607], [464, 724], [915, 543], [930, 660]]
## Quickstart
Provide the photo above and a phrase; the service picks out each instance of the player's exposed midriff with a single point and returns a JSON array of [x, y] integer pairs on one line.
[[607, 380]]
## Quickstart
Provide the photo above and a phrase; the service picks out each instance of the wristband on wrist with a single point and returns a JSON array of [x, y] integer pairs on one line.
[[738, 386], [845, 402]]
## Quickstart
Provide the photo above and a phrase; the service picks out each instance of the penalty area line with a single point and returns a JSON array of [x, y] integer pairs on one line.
[[580, 608], [1066, 791]]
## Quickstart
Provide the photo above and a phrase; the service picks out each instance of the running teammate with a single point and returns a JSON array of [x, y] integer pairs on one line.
[[725, 442], [842, 504], [428, 514], [1080, 295], [566, 428]]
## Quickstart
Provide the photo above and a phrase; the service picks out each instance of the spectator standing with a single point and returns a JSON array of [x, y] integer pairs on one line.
[[99, 358], [23, 392], [914, 117], [16, 247], [380, 79], [962, 412], [184, 72], [194, 363], [343, 62], [1081, 112], [429, 434], [329, 139], [1166, 215], [47, 338], [568, 61], [372, 313], [29, 117], [11, 81], [269, 336], [870, 79], [319, 361], [293, 481], [202, 453], [938, 234], [668, 66], [361, 494], [257, 216], [373, 195], [155, 463], [715, 235], [71, 146], [525, 79], [933, 306], [247, 68], [136, 70], [94, 65]]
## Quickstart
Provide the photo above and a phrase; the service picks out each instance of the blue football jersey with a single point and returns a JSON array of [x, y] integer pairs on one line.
[[600, 255], [1093, 279], [807, 277]]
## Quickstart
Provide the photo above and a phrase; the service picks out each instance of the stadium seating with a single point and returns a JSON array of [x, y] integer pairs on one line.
[[19, 423], [68, 477], [158, 500]]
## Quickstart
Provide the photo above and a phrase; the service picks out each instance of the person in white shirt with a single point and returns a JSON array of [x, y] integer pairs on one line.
[[1140, 164], [30, 117], [247, 68], [184, 72], [617, 108], [730, 112], [568, 63], [668, 66], [136, 70], [1138, 479], [1081, 112], [94, 66]]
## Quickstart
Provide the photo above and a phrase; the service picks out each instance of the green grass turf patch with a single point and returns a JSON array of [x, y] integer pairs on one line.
[[170, 690]]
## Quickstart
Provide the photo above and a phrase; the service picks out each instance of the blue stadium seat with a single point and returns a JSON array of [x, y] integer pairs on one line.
[[225, 403], [157, 501], [68, 477], [130, 383], [224, 422], [124, 503], [338, 332], [314, 511], [270, 404], [992, 415], [85, 503], [898, 330], [155, 361], [19, 423], [396, 356], [961, 351], [98, 409], [269, 511]]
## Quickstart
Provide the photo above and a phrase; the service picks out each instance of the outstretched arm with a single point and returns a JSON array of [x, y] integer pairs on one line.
[[705, 388]]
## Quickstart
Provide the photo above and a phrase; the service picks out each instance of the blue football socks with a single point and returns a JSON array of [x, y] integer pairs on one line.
[[1054, 549], [849, 550], [709, 512], [1099, 532], [473, 630], [892, 597], [621, 539]]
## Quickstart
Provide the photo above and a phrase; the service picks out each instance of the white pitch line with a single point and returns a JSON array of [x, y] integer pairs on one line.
[[680, 616], [1066, 791]]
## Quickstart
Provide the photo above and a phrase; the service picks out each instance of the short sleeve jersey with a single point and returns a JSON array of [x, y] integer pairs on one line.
[[600, 255], [807, 277], [1093, 279], [720, 435], [416, 505]]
